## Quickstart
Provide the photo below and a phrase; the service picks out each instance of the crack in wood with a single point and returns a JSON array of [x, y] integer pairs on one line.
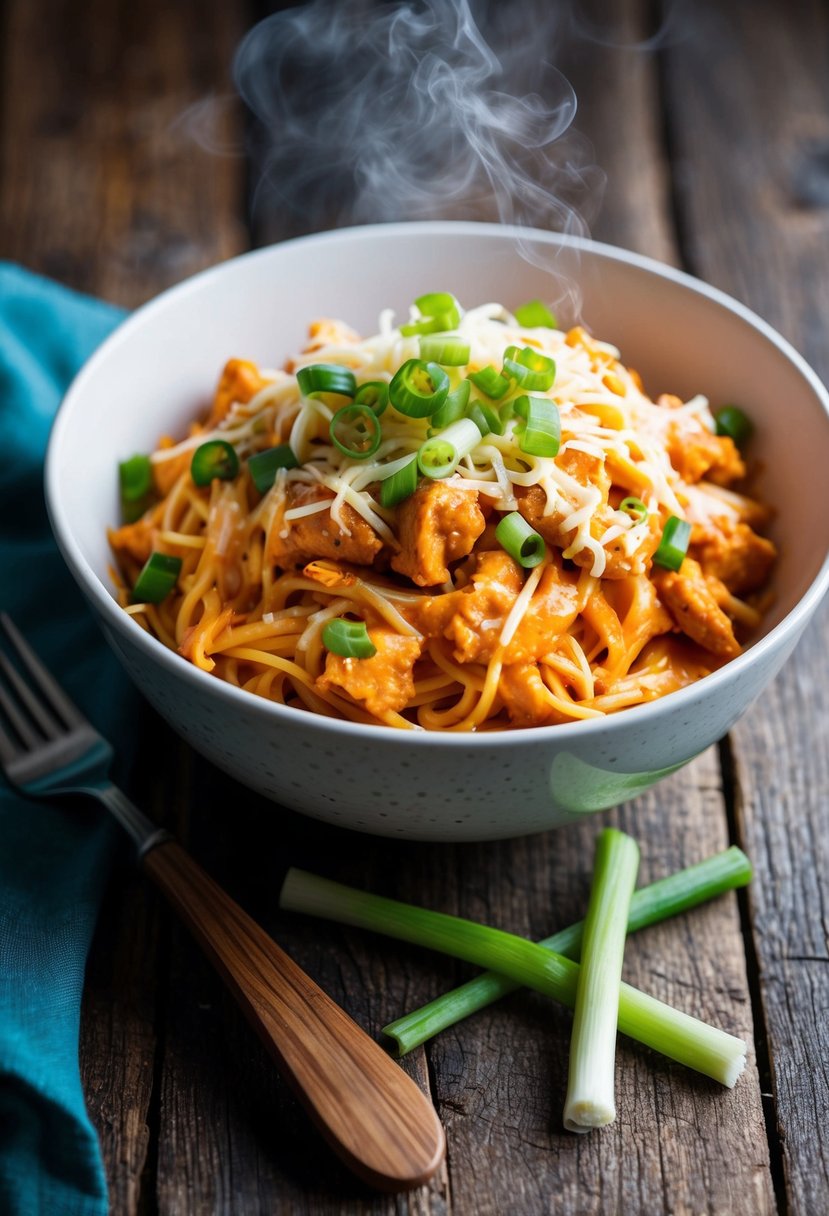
[[732, 797]]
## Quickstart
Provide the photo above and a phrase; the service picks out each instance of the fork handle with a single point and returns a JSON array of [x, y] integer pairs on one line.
[[373, 1114]]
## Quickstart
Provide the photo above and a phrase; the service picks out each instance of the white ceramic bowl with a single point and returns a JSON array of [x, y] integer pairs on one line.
[[158, 370]]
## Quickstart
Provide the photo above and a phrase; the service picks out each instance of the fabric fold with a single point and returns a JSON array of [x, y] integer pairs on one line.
[[55, 861]]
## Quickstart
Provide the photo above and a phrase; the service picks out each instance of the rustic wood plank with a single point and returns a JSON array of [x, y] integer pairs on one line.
[[104, 191], [678, 1145], [230, 1138], [748, 85], [616, 84], [104, 185], [234, 1140], [233, 1137]]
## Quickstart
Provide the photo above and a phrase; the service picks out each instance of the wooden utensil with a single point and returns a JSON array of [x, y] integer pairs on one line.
[[372, 1114]]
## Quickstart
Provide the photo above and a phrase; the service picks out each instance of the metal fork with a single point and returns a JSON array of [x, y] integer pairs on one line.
[[371, 1112]]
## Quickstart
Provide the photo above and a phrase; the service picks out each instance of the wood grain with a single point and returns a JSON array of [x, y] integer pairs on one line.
[[751, 128], [617, 86], [105, 189], [105, 185]]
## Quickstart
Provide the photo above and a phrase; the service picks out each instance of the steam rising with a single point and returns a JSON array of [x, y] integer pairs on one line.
[[399, 111]]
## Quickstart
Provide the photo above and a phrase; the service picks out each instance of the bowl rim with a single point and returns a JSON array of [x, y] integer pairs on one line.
[[154, 650]]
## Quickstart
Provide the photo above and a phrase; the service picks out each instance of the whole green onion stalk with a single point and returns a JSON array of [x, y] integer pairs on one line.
[[668, 897], [677, 1035], [590, 1098]]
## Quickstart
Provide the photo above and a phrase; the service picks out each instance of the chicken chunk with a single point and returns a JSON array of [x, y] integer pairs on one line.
[[532, 502], [317, 535], [438, 524], [695, 452], [385, 682], [551, 611], [166, 472], [134, 540], [691, 599], [473, 617], [733, 553], [240, 380]]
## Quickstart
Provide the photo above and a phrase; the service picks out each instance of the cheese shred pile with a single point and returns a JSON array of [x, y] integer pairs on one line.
[[419, 608]]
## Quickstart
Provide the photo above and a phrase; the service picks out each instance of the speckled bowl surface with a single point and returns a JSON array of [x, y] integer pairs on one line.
[[157, 371]]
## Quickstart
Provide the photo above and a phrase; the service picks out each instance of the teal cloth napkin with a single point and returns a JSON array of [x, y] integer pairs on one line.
[[54, 861]]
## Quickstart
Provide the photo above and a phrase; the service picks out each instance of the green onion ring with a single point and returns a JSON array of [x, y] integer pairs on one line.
[[355, 430], [529, 369], [448, 350], [634, 507], [263, 466], [326, 378], [374, 394], [418, 389], [541, 433], [732, 422], [157, 579], [216, 458], [674, 543], [490, 382], [520, 540], [535, 315]]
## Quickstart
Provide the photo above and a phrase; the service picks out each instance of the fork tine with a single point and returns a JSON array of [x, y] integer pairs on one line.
[[51, 690], [8, 751], [24, 729], [42, 717]]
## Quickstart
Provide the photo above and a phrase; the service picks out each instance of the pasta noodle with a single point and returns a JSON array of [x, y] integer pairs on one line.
[[594, 611]]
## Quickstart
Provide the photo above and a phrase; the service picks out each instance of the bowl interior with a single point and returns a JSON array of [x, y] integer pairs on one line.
[[159, 370]]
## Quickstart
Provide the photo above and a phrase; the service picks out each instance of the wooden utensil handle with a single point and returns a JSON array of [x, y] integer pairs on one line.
[[373, 1115]]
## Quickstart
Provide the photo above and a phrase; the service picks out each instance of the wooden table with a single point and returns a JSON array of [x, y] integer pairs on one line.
[[716, 146]]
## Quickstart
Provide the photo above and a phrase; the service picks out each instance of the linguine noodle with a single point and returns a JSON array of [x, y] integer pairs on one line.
[[464, 636]]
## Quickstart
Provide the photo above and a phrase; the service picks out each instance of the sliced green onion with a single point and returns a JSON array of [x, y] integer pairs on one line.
[[449, 351], [326, 378], [439, 312], [433, 303], [487, 420], [634, 507], [439, 456], [677, 1035], [402, 484], [135, 479], [348, 639], [731, 421], [453, 408], [535, 315], [668, 897], [430, 325], [490, 383], [355, 430], [529, 369], [157, 579], [216, 458], [263, 466], [674, 543], [374, 394], [516, 536], [590, 1098], [541, 434], [418, 389]]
